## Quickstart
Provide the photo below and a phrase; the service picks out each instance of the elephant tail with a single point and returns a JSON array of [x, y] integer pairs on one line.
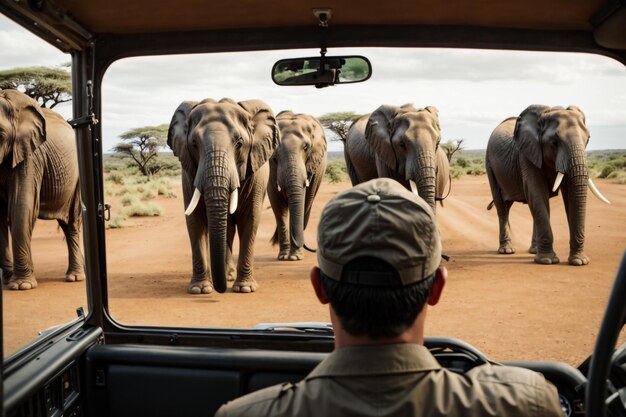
[[490, 205], [274, 239]]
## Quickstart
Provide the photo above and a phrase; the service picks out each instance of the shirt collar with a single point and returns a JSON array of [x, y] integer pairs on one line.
[[376, 360]]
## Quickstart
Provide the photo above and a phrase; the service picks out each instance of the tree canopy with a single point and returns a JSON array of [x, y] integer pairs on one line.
[[48, 86], [142, 145], [339, 123]]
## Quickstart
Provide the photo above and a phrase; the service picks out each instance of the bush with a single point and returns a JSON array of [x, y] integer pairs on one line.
[[336, 172], [116, 178], [118, 221], [144, 210], [129, 200]]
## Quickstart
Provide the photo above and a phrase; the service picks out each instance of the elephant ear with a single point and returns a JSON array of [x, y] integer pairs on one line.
[[177, 132], [526, 133], [264, 130], [318, 146], [378, 134], [30, 132]]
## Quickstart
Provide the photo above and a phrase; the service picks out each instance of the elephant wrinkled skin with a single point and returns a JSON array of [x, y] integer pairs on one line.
[[296, 171], [38, 179], [400, 143], [223, 148], [529, 159]]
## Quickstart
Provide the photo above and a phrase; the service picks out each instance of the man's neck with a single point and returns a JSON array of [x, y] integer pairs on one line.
[[414, 334]]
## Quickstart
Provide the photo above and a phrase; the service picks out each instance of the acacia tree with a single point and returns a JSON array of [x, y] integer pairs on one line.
[[452, 146], [48, 86], [339, 123], [142, 145]]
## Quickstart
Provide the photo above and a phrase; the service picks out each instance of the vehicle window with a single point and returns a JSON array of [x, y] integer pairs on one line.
[[505, 305], [29, 63]]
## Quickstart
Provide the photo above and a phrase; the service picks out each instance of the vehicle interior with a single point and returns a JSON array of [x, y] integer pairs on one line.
[[95, 365]]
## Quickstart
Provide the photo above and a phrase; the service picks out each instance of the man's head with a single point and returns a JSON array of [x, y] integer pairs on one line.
[[379, 252]]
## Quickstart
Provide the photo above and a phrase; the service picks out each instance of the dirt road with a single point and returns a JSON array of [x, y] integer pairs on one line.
[[506, 306]]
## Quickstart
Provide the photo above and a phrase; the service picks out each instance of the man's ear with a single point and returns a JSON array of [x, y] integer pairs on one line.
[[441, 274], [316, 281]]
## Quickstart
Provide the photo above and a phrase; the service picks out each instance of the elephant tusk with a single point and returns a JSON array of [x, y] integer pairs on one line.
[[414, 187], [597, 193], [307, 183], [557, 182], [278, 185], [234, 196], [194, 202]]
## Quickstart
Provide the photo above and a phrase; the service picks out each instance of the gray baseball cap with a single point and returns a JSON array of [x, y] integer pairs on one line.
[[379, 219]]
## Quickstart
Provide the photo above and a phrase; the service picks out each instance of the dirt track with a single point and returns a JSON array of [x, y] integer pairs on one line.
[[506, 306]]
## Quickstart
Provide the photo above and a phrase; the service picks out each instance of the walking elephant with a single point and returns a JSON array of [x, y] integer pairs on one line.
[[400, 143], [529, 159], [223, 148], [38, 179], [296, 171]]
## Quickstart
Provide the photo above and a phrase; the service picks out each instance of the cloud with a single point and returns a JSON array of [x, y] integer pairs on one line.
[[473, 89]]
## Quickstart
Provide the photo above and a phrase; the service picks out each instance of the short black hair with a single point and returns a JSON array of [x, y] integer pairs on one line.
[[375, 311]]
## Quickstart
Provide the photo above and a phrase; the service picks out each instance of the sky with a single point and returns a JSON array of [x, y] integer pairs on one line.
[[474, 90]]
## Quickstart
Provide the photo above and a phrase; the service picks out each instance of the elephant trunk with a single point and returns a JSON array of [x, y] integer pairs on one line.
[[577, 178], [295, 191], [425, 178], [217, 193]]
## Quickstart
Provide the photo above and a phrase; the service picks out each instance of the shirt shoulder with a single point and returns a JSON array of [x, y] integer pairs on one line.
[[529, 389], [255, 403]]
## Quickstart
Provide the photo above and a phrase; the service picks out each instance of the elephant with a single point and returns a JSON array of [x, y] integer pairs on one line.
[[529, 159], [38, 179], [296, 171], [223, 148], [400, 143]]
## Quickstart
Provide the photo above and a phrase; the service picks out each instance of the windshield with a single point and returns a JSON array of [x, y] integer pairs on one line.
[[505, 305]]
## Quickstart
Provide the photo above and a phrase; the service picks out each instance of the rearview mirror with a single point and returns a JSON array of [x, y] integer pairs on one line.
[[322, 71]]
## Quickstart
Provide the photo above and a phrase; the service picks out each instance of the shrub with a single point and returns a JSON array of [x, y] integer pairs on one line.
[[143, 210], [129, 200], [118, 220], [116, 178], [462, 162], [336, 172]]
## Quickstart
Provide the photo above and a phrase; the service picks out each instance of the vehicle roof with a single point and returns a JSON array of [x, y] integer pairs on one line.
[[141, 27]]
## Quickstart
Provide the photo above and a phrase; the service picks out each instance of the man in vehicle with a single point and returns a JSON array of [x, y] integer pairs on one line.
[[379, 254]]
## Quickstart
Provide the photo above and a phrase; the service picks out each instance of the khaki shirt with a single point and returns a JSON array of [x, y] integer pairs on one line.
[[401, 380]]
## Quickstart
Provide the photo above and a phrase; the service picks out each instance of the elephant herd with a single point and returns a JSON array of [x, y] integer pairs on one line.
[[233, 153]]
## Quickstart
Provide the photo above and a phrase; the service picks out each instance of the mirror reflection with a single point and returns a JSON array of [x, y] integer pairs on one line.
[[322, 70]]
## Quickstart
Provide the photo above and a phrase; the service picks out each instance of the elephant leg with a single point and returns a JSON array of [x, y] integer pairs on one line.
[[539, 205], [22, 225], [533, 243], [577, 256], [6, 258], [251, 205], [231, 270], [279, 207], [75, 269], [503, 208], [282, 230], [201, 282]]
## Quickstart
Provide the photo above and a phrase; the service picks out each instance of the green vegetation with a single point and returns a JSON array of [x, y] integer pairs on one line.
[[336, 171], [609, 164], [467, 163], [130, 191], [48, 86]]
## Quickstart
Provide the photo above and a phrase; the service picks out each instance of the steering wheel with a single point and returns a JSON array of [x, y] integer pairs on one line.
[[614, 320]]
